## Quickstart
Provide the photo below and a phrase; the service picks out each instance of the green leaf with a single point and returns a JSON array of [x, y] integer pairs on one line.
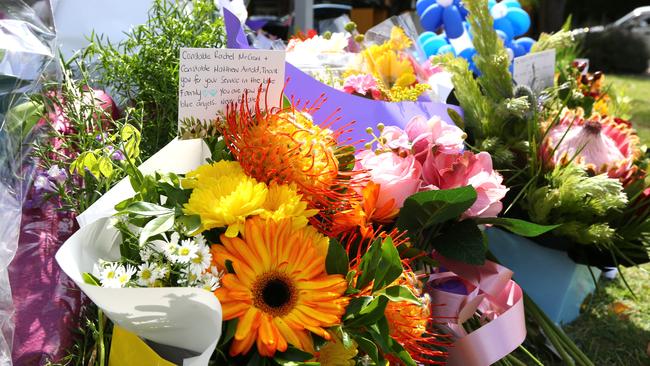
[[371, 313], [131, 138], [389, 267], [156, 226], [402, 354], [369, 347], [516, 226], [89, 279], [368, 265], [147, 209], [425, 209], [355, 306], [398, 293], [231, 328], [293, 354], [286, 102], [458, 120], [190, 223], [462, 242], [336, 261], [105, 166]]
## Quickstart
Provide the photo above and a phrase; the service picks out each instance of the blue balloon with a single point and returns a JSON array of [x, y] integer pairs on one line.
[[431, 18], [520, 20], [504, 25], [468, 54], [511, 3], [453, 22], [447, 49], [422, 38], [502, 35], [461, 8], [491, 3], [517, 49], [526, 43], [432, 45], [422, 5]]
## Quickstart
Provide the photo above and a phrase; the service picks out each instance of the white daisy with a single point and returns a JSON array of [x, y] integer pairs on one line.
[[168, 247], [108, 275], [201, 260], [185, 252], [124, 274], [210, 281], [147, 274]]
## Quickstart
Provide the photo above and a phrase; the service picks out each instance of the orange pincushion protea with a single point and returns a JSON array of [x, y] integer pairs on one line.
[[602, 145], [410, 324], [280, 290], [286, 146]]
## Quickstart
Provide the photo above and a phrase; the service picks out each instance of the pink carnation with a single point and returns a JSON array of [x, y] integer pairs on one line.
[[365, 85], [398, 177]]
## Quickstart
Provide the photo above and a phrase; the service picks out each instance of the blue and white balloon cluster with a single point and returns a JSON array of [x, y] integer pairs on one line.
[[510, 21]]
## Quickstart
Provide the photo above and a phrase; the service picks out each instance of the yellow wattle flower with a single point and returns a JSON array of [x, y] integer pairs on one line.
[[223, 195], [279, 291]]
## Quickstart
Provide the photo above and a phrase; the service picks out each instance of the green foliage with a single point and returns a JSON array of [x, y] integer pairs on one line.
[[143, 69], [581, 203], [86, 150]]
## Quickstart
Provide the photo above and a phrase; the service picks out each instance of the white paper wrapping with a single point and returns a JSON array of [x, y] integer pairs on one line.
[[187, 318]]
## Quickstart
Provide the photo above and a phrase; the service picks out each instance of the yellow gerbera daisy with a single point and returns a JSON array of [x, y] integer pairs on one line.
[[279, 291], [224, 195]]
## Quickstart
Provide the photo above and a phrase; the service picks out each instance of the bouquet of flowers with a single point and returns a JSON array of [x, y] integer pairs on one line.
[[384, 64], [315, 250]]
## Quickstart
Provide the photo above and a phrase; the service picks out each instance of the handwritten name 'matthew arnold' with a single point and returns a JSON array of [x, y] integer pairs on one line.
[[219, 54]]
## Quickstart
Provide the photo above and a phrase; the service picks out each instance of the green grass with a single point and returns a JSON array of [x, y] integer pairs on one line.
[[614, 328], [637, 88]]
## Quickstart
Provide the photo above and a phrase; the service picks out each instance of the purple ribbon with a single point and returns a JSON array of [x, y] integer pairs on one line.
[[364, 112]]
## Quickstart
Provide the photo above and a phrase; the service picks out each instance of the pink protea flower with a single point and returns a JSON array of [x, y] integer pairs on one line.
[[364, 84], [602, 145]]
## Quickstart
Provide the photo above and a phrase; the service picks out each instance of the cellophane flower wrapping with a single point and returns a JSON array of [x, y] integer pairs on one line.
[[26, 51]]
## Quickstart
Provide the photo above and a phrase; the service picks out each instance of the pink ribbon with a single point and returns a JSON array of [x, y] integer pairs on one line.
[[490, 291]]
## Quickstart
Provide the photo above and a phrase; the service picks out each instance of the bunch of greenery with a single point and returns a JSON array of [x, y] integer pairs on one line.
[[92, 151], [142, 70], [583, 204]]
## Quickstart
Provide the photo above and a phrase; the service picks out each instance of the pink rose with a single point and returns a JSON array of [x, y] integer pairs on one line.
[[398, 177], [396, 138], [434, 134], [446, 171]]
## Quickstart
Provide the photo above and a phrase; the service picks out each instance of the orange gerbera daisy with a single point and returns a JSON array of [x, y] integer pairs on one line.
[[286, 146], [279, 290]]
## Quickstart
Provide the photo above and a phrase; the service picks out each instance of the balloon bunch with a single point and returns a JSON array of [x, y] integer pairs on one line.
[[510, 21]]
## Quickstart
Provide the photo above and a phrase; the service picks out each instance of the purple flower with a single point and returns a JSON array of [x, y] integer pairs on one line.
[[118, 155], [43, 183], [57, 174]]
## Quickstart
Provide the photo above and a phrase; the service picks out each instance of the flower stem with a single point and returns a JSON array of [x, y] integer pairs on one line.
[[100, 337]]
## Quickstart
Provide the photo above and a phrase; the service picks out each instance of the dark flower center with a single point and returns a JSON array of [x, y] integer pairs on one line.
[[274, 293], [593, 127]]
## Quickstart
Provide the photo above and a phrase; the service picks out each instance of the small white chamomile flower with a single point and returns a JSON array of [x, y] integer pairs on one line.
[[108, 275], [186, 251], [201, 260], [124, 274], [147, 274]]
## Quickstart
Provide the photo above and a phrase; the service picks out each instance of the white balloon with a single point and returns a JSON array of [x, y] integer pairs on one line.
[[445, 3], [499, 11]]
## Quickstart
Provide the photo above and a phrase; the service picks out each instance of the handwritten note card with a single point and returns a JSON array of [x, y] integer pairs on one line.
[[536, 70], [209, 79]]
